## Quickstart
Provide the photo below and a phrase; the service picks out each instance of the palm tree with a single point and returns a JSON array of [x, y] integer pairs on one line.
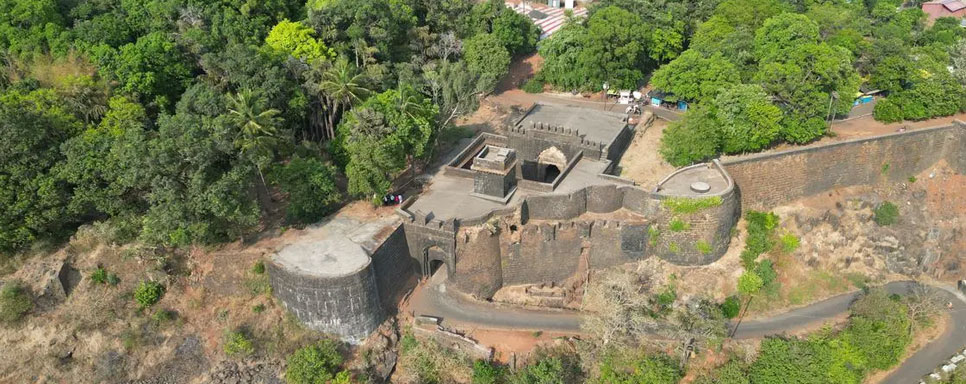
[[339, 86], [257, 128]]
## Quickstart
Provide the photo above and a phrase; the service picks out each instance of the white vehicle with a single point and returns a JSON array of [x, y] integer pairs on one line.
[[625, 98]]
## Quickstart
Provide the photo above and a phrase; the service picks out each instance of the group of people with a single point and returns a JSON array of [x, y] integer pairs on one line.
[[392, 199]]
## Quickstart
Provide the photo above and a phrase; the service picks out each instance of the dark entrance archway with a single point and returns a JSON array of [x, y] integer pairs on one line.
[[550, 173], [434, 266], [433, 258]]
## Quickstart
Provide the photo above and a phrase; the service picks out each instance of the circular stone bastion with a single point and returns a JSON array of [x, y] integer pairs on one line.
[[327, 282]]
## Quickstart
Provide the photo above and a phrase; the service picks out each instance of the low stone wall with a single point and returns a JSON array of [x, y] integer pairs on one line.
[[453, 340], [346, 306], [772, 179], [454, 166]]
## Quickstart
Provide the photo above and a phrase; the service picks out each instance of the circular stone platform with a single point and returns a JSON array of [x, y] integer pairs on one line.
[[333, 256]]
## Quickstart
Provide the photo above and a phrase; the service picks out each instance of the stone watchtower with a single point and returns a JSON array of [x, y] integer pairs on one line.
[[495, 175], [330, 286]]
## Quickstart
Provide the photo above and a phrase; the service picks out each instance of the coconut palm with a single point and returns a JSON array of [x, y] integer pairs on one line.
[[257, 128], [339, 85]]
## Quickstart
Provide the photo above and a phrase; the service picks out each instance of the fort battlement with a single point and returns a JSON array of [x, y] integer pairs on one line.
[[538, 129], [546, 237]]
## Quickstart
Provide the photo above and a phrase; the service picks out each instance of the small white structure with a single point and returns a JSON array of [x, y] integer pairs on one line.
[[957, 359], [948, 368], [935, 376], [569, 4], [624, 97]]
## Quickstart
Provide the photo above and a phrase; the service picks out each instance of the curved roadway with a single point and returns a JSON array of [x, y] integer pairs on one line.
[[433, 301]]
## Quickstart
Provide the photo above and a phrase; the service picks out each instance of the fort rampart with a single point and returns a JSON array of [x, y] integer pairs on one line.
[[771, 179], [548, 237]]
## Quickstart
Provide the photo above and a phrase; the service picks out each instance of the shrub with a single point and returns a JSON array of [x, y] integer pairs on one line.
[[678, 225], [886, 214], [162, 316], [259, 267], [653, 234], [789, 243], [887, 111], [703, 246], [238, 344], [878, 329], [485, 372], [769, 278], [15, 302], [258, 308], [666, 298], [731, 307], [657, 369], [761, 226], [748, 259], [730, 373], [148, 293], [673, 248], [102, 276], [534, 85], [549, 369], [316, 363], [912, 179]]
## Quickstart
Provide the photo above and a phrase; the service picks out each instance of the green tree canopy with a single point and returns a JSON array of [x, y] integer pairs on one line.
[[381, 134], [33, 201], [296, 40], [614, 50], [693, 139], [695, 78], [486, 56], [749, 121], [152, 69], [517, 33]]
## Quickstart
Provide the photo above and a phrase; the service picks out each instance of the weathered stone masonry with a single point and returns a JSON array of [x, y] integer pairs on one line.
[[544, 240], [550, 237], [771, 179], [347, 306]]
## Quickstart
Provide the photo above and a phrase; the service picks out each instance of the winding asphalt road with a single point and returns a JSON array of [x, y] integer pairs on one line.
[[434, 301]]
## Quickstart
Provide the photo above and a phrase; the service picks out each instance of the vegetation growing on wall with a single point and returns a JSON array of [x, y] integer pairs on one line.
[[685, 205]]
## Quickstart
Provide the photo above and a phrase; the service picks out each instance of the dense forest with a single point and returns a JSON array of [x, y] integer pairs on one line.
[[757, 73], [181, 121], [178, 121]]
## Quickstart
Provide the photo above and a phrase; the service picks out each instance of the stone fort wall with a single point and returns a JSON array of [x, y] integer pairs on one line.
[[771, 179], [548, 239], [347, 306]]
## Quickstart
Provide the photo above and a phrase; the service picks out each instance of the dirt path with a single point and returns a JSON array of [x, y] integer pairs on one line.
[[642, 162], [867, 126]]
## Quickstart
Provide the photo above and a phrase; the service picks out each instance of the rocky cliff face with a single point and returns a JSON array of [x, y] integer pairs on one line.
[[839, 231]]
